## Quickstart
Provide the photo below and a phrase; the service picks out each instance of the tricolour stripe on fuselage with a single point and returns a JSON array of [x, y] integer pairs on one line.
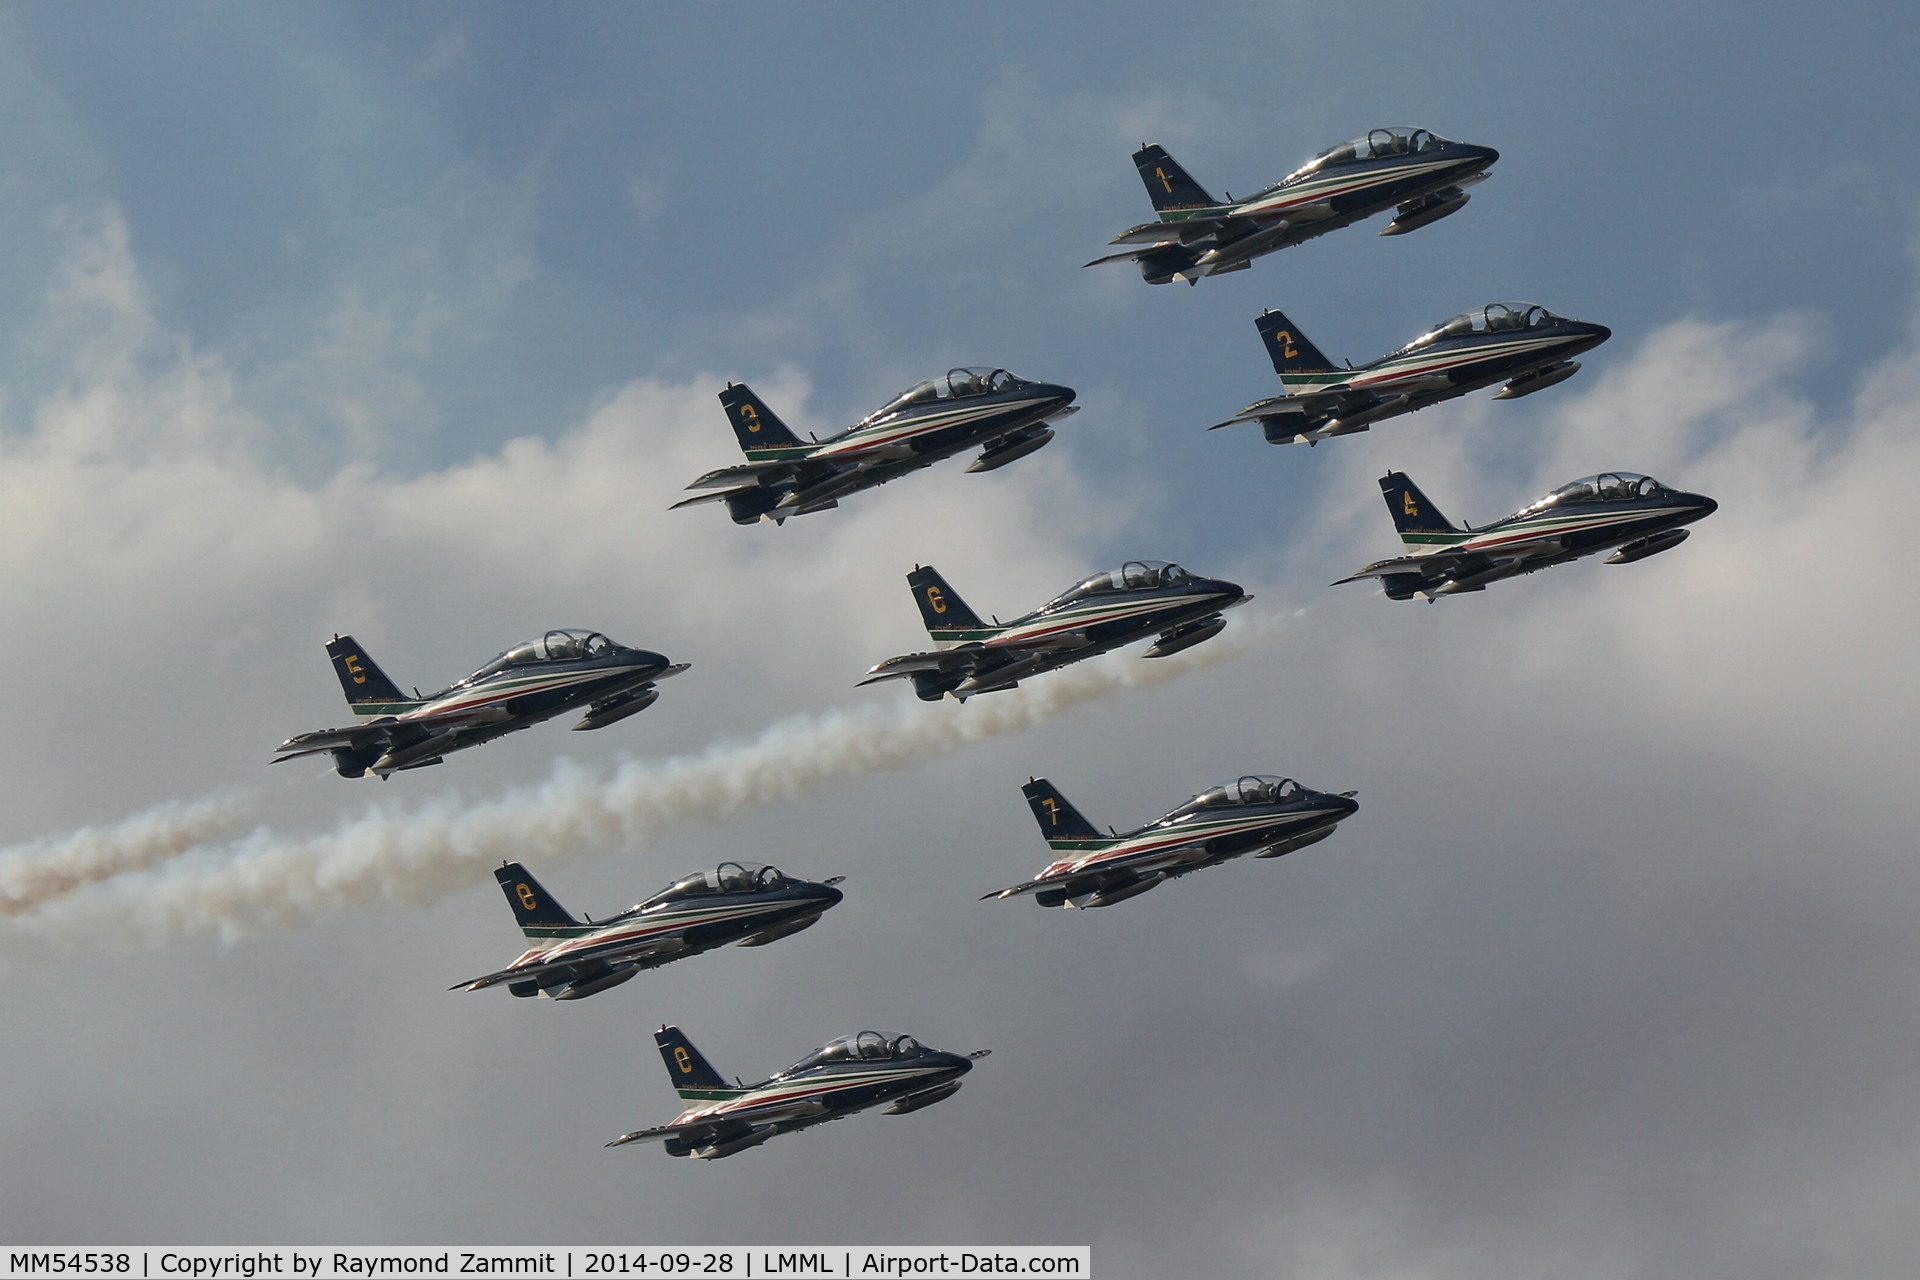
[[881, 434], [1024, 633], [805, 1089], [1160, 839], [1314, 190], [626, 933]]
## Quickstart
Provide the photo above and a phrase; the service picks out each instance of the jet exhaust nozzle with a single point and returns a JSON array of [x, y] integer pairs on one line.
[[1649, 546], [1001, 452], [603, 714], [1539, 380], [1422, 212], [1186, 636]]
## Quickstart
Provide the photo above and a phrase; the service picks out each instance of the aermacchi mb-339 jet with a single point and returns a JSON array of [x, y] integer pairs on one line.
[[1261, 815], [786, 476], [1527, 347], [533, 681], [847, 1075], [1419, 174], [1103, 612], [1634, 513], [735, 902]]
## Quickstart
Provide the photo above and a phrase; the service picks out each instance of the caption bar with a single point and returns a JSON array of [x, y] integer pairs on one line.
[[737, 1262]]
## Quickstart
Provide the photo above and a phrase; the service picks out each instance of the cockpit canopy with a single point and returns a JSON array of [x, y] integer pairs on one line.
[[1253, 788], [957, 385], [1608, 486], [1134, 575], [1495, 317], [866, 1046], [1375, 144], [563, 645], [728, 877]]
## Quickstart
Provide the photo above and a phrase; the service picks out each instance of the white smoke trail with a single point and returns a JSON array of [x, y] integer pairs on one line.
[[31, 875], [266, 881]]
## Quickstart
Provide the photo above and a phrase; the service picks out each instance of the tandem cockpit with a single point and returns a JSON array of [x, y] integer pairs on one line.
[[1375, 144], [1495, 317], [958, 384], [1249, 789], [728, 877], [1608, 486], [864, 1046], [1134, 575], [560, 645]]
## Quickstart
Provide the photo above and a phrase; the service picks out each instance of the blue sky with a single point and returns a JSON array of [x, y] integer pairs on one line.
[[407, 321]]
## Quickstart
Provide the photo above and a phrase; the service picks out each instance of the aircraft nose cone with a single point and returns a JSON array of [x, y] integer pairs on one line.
[[647, 658], [1226, 588], [828, 894], [955, 1063], [1485, 155], [1059, 395], [1598, 332], [1704, 505]]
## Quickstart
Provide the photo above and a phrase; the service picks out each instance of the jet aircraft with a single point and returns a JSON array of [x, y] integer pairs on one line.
[[533, 681], [846, 1075], [1101, 613], [735, 902], [1528, 347], [1257, 814], [1418, 173], [787, 476], [1634, 513]]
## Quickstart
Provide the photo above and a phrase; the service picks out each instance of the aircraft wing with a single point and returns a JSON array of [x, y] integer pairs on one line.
[[740, 1121], [1158, 860], [365, 735], [1331, 402], [600, 960], [1439, 564], [912, 663], [745, 473]]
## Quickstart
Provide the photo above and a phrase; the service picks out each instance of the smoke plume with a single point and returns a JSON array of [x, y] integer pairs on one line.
[[31, 875], [266, 881]]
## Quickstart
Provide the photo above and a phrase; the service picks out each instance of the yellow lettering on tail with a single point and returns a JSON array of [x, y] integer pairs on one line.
[[935, 600], [1407, 504], [525, 894], [681, 1060]]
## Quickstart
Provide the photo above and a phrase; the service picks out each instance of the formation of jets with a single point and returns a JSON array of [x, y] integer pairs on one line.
[[1419, 175]]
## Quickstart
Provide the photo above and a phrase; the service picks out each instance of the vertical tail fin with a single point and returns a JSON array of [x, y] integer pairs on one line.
[[1058, 819], [1299, 363], [694, 1078], [537, 911], [757, 426], [941, 607], [1420, 523], [1168, 185], [360, 677]]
